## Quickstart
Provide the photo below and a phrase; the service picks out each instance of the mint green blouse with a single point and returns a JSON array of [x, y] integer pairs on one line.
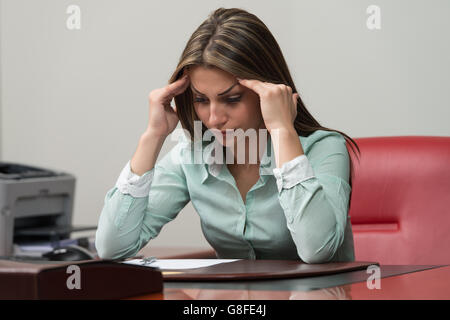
[[299, 211]]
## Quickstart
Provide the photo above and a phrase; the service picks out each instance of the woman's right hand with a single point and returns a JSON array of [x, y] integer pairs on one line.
[[163, 117]]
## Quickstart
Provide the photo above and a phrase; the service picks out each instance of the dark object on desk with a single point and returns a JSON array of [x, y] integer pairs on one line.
[[262, 269], [49, 232], [69, 253], [98, 279], [17, 171]]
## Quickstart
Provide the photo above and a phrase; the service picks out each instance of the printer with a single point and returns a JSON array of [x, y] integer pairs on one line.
[[35, 205]]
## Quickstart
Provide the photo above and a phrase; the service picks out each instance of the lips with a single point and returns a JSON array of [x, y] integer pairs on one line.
[[224, 133]]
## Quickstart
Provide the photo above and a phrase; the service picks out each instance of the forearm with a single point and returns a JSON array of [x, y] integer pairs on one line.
[[120, 233], [147, 152], [137, 208], [313, 221], [286, 145]]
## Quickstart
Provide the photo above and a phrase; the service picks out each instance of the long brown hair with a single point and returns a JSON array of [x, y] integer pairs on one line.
[[238, 42]]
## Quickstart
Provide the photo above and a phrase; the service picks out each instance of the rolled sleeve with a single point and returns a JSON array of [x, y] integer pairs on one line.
[[133, 184], [293, 172]]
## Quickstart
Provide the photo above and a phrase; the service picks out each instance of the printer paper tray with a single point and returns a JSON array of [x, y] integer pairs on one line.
[[51, 231]]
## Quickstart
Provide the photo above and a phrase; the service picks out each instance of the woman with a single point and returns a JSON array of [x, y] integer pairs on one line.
[[232, 77]]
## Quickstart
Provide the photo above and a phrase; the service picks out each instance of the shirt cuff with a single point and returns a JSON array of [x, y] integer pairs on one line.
[[293, 172], [133, 184]]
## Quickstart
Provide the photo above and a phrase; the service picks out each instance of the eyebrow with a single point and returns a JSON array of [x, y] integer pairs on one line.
[[220, 94]]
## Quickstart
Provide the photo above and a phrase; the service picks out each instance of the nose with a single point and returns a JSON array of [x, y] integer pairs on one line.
[[217, 115]]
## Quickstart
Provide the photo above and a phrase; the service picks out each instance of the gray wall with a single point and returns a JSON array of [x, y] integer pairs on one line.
[[76, 100]]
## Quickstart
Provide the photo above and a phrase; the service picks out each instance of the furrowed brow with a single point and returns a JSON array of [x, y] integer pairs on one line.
[[220, 94]]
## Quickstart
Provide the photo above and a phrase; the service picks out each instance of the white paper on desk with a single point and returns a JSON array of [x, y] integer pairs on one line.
[[172, 264]]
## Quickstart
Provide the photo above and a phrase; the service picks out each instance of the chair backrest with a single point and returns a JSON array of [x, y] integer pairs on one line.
[[400, 202]]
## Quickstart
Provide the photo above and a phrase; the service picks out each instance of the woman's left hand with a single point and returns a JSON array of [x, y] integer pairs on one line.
[[278, 104]]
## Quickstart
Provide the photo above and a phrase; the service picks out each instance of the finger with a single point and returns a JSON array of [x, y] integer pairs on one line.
[[253, 84], [177, 87]]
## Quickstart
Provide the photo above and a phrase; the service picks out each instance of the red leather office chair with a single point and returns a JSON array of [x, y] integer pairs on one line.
[[400, 203]]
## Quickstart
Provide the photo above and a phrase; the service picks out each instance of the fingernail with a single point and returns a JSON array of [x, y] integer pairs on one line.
[[238, 79]]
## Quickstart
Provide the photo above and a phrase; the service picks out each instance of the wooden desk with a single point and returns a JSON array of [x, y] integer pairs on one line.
[[433, 284], [397, 282], [178, 252]]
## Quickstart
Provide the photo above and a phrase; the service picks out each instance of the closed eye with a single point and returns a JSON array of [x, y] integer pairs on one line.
[[199, 100], [233, 99]]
